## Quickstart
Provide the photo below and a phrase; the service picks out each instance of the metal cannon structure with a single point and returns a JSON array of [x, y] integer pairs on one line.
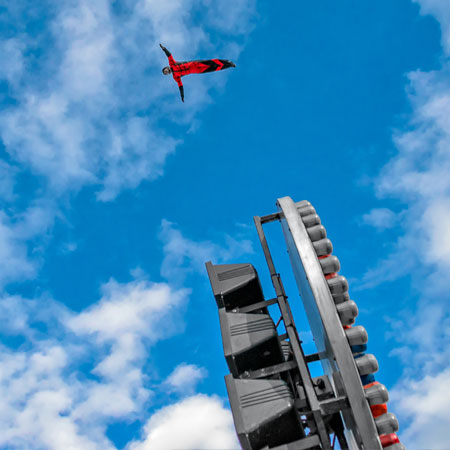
[[275, 402]]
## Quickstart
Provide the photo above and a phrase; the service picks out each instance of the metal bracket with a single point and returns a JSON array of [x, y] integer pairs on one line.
[[272, 370]]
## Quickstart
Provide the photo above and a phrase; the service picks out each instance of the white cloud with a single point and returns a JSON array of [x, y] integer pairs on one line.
[[126, 320], [14, 263], [419, 177], [88, 98], [196, 423], [424, 407], [81, 372], [7, 181], [233, 15], [183, 256], [381, 218], [36, 400], [11, 51], [75, 373], [17, 263], [437, 222], [418, 174], [132, 308], [398, 263], [95, 120], [439, 9], [185, 377]]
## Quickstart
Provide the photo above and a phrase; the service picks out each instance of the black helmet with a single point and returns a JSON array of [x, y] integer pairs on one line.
[[166, 70]]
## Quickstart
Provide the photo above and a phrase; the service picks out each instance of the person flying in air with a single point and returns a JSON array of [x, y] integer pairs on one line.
[[182, 68]]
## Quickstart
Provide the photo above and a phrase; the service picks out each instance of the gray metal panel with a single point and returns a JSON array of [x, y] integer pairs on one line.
[[329, 336], [263, 412], [250, 341]]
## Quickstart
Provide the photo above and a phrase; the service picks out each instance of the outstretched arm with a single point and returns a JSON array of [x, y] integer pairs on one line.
[[168, 54], [164, 49]]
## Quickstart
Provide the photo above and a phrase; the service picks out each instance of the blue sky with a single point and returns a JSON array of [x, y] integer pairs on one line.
[[113, 194]]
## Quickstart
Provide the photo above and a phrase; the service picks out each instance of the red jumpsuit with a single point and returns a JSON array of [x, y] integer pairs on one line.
[[180, 69]]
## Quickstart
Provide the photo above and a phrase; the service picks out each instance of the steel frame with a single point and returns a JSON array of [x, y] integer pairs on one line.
[[349, 397], [337, 359], [315, 411]]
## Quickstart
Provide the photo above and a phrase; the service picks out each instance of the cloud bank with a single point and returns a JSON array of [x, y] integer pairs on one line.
[[199, 422], [418, 176], [73, 374], [84, 106], [81, 372]]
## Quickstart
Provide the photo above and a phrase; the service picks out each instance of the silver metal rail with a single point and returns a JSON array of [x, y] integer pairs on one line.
[[332, 344]]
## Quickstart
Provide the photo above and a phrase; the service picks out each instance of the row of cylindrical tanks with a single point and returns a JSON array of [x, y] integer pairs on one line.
[[376, 394]]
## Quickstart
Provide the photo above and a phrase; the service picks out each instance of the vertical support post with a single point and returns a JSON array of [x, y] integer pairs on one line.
[[291, 331]]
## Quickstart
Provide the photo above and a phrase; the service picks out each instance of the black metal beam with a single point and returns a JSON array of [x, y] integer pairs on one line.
[[291, 331], [257, 306], [272, 370]]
